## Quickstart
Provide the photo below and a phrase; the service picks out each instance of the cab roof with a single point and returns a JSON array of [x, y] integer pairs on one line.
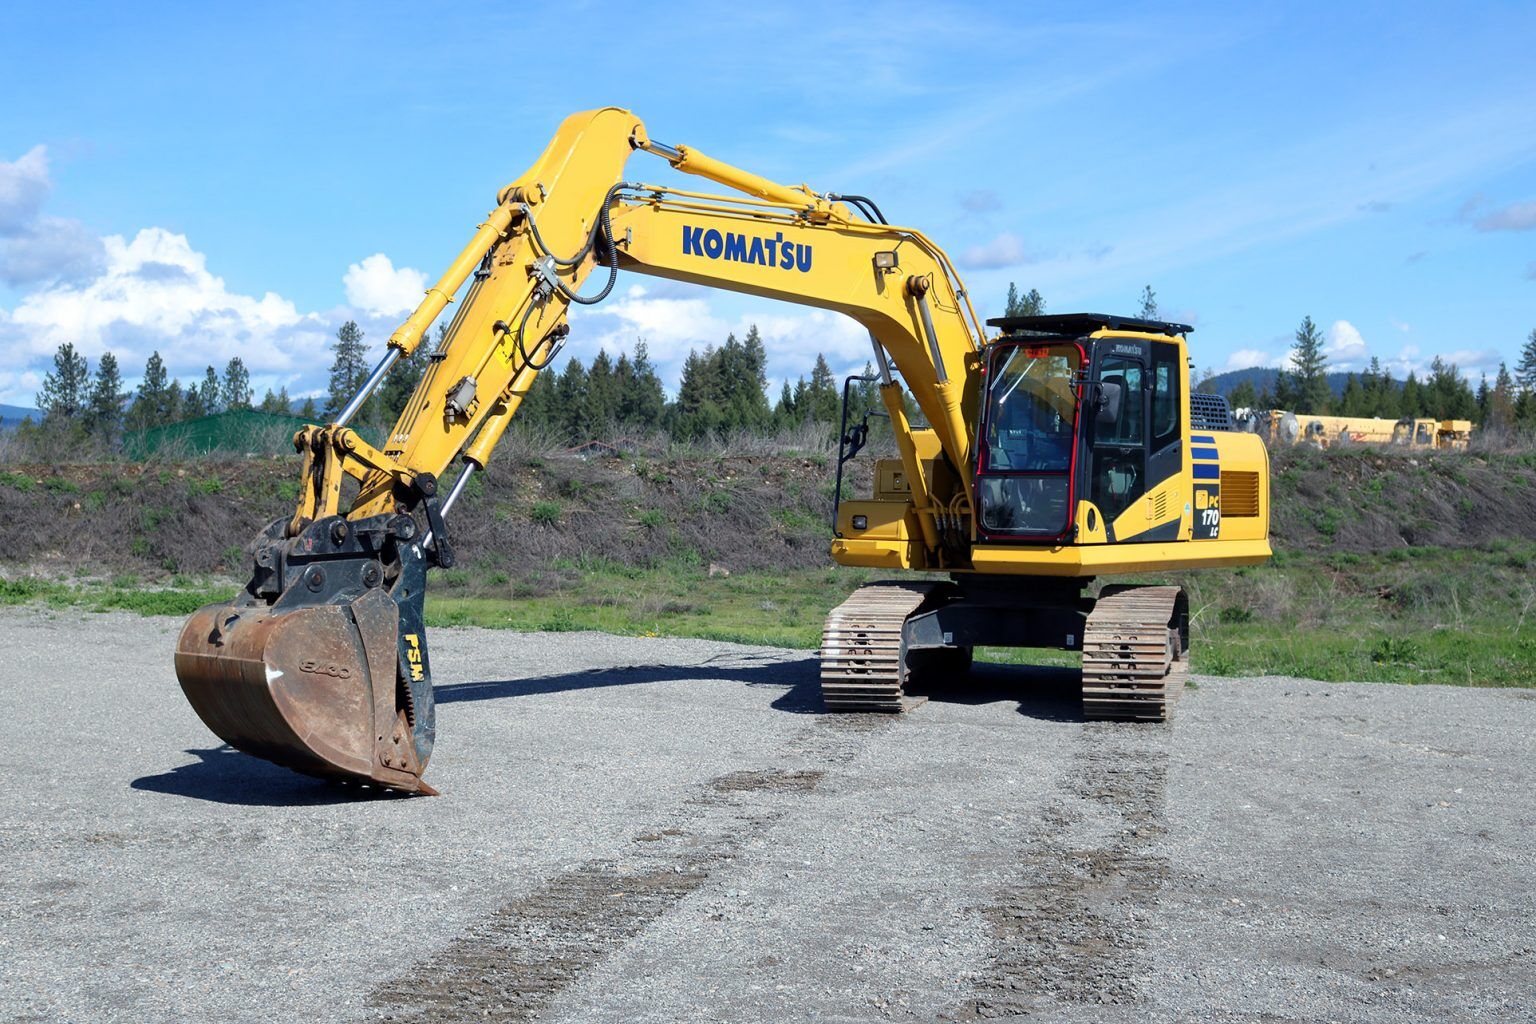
[[1078, 324]]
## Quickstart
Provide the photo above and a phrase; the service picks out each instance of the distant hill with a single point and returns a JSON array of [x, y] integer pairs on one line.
[[11, 415], [1263, 378]]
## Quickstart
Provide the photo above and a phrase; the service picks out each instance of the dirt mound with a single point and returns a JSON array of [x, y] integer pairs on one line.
[[742, 513], [1364, 500], [199, 516]]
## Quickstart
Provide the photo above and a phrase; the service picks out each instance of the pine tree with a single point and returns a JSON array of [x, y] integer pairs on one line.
[[1354, 401], [1484, 396], [1031, 304], [277, 403], [602, 394], [104, 407], [537, 411], [208, 393], [642, 400], [1244, 396], [235, 393], [1384, 397], [1501, 402], [1148, 304], [308, 412], [748, 395], [66, 388], [1307, 381], [740, 375], [177, 403], [1450, 397], [149, 403], [573, 414], [349, 369], [1525, 370], [784, 413], [1411, 398], [824, 401], [697, 414]]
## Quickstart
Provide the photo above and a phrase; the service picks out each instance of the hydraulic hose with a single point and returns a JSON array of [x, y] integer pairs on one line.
[[864, 204]]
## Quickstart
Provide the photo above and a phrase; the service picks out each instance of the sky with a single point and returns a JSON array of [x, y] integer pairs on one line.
[[218, 179]]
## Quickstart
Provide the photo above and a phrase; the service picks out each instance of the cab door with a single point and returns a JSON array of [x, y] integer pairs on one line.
[[1143, 448], [1115, 471]]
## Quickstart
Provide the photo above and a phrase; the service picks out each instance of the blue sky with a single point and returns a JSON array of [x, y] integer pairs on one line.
[[211, 180]]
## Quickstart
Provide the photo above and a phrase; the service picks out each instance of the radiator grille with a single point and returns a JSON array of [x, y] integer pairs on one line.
[[1209, 412], [1240, 494]]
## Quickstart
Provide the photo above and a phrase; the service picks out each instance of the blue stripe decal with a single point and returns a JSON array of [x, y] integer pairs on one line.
[[1202, 439], [1207, 471], [1205, 453]]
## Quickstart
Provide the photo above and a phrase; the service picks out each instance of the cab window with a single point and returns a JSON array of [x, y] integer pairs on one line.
[[1165, 395], [1119, 449], [1031, 423]]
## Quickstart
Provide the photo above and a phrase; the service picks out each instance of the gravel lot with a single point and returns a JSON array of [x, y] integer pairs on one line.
[[663, 830]]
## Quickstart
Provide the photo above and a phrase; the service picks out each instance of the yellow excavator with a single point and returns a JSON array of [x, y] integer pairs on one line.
[[1055, 450]]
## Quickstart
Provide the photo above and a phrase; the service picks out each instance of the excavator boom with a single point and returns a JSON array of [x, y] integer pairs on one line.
[[321, 662]]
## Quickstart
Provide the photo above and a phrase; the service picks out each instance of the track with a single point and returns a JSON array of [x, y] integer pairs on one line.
[[1135, 663], [863, 660]]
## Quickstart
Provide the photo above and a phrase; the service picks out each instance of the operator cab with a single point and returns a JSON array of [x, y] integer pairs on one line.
[[1066, 415]]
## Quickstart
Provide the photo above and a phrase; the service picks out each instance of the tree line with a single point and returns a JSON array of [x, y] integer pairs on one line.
[[76, 402], [1444, 393], [722, 389]]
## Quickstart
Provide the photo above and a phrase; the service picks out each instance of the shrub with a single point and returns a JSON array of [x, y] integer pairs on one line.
[[1394, 650]]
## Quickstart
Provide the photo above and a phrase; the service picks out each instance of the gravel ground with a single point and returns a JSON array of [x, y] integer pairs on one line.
[[667, 830]]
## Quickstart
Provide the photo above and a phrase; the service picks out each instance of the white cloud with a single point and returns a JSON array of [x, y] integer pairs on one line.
[[676, 319], [51, 249], [1006, 250], [1474, 361], [23, 187], [35, 247], [377, 286], [1514, 217], [1345, 348], [1247, 358], [155, 293]]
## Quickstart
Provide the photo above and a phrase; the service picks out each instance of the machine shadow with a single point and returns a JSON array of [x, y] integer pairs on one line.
[[224, 775], [1046, 693], [798, 679]]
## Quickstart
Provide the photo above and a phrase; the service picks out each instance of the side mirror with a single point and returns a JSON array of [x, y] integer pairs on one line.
[[1106, 411]]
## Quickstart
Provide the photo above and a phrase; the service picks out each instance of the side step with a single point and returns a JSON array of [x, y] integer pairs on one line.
[[1134, 661], [863, 652]]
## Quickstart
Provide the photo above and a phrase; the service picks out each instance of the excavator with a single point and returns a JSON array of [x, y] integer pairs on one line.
[[1031, 460]]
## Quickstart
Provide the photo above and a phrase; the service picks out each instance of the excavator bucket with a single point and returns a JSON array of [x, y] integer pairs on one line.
[[330, 678]]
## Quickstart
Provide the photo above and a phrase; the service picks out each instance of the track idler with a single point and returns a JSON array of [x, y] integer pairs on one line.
[[320, 665]]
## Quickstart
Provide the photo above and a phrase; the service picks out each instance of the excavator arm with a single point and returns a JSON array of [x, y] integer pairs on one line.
[[321, 662]]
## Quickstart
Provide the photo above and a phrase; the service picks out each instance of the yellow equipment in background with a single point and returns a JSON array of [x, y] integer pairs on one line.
[[1061, 449], [1280, 426]]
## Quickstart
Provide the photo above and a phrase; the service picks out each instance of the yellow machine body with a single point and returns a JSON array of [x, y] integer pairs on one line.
[[370, 521]]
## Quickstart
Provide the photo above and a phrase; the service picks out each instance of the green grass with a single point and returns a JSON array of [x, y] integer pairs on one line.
[[1414, 615], [177, 601]]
